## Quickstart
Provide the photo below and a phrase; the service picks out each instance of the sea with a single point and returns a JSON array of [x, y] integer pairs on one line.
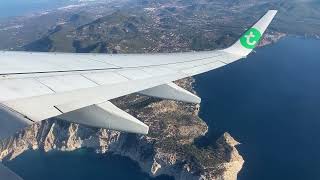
[[270, 102], [10, 8]]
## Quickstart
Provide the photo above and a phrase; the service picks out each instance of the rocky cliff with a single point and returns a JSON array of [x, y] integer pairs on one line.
[[168, 149]]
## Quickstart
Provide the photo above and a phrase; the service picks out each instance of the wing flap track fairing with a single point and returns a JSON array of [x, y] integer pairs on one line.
[[106, 115], [172, 92]]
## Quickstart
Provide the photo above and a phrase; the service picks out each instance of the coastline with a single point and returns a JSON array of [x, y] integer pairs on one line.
[[167, 150]]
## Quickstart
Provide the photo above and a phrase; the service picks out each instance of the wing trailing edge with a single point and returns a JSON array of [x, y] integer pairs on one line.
[[106, 115], [172, 92]]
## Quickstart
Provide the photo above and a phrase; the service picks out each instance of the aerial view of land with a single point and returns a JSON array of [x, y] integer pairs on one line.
[[149, 26]]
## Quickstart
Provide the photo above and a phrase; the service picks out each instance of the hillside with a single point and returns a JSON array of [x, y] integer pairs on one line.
[[154, 26]]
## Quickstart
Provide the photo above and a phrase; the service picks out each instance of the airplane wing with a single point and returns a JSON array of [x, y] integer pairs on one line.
[[78, 87]]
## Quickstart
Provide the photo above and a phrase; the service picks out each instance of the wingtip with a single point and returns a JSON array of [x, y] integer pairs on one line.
[[243, 46], [145, 130], [273, 11]]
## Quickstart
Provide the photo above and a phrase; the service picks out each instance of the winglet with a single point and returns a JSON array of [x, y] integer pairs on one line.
[[250, 39]]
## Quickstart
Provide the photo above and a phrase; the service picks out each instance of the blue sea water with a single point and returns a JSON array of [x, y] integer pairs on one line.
[[270, 102], [10, 8], [78, 165]]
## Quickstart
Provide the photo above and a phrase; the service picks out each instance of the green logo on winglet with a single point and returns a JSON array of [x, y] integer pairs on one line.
[[251, 38]]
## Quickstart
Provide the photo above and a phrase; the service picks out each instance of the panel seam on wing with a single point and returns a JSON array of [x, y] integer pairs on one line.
[[90, 80], [53, 91]]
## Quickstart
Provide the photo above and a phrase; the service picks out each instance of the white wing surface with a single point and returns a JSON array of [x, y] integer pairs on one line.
[[38, 86]]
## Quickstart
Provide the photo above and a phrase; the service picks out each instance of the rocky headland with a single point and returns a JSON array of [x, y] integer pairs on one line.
[[168, 148]]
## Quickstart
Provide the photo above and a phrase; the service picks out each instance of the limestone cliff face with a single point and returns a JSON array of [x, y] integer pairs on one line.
[[168, 149], [57, 135], [234, 162]]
